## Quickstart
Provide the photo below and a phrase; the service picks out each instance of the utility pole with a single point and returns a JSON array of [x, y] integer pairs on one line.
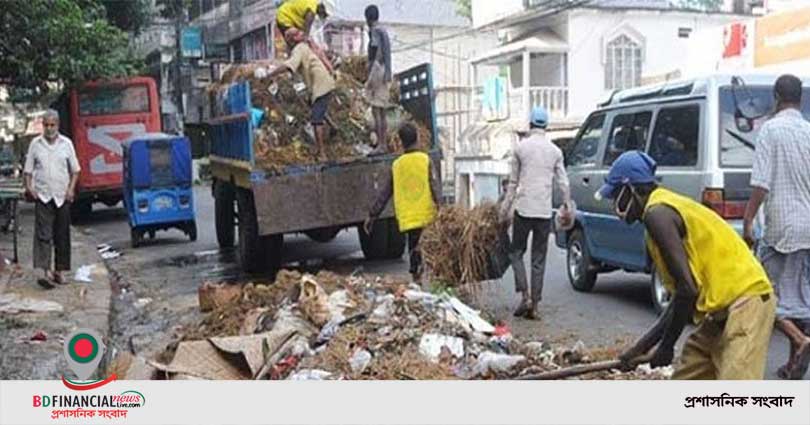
[[179, 23]]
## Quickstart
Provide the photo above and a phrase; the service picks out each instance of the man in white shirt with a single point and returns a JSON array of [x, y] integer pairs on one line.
[[536, 165], [51, 172]]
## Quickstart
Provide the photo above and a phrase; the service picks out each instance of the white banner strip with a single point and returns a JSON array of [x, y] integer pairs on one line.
[[394, 403]]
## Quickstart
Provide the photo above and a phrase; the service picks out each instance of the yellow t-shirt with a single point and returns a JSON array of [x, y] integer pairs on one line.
[[722, 265], [305, 62], [292, 13]]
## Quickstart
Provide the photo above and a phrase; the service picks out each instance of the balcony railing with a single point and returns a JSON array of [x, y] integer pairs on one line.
[[553, 99]]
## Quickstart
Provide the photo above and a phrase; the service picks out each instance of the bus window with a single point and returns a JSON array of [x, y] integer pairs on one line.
[[107, 100]]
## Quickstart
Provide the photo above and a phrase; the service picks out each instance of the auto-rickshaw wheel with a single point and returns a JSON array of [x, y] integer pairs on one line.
[[135, 236], [151, 234], [192, 231]]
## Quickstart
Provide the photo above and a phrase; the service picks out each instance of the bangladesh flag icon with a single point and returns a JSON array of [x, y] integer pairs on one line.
[[84, 349]]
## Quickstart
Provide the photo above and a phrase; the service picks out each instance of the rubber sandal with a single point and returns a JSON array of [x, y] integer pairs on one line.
[[801, 363], [45, 283]]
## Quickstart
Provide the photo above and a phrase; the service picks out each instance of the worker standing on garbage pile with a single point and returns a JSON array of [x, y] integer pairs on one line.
[[300, 14], [535, 165], [414, 184], [780, 175], [320, 82], [379, 78], [713, 276]]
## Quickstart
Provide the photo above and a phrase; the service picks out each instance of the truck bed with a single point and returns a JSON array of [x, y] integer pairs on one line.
[[308, 197]]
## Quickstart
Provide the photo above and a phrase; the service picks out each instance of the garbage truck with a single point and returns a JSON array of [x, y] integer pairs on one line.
[[255, 208]]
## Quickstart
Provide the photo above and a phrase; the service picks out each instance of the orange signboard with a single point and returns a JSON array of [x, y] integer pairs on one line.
[[783, 37]]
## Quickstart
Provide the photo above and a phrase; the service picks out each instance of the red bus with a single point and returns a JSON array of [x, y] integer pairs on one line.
[[99, 116]]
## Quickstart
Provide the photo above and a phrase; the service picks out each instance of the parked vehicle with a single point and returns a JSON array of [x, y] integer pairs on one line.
[[158, 193], [702, 133], [99, 116], [317, 200]]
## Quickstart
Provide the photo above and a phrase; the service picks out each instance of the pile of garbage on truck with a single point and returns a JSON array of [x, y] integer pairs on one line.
[[285, 136], [333, 327]]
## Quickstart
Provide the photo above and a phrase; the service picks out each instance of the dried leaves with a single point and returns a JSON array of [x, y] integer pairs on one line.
[[458, 245]]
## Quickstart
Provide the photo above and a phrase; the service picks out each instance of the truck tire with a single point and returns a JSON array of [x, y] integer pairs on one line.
[[250, 252], [224, 195], [581, 273], [384, 243]]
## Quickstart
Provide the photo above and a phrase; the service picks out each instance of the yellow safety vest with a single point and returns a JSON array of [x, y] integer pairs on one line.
[[722, 265], [413, 200]]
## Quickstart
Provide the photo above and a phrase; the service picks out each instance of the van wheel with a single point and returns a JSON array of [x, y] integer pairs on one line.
[[580, 266], [384, 243], [661, 297], [224, 213]]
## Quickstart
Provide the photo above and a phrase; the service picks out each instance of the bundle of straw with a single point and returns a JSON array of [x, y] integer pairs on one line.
[[458, 245]]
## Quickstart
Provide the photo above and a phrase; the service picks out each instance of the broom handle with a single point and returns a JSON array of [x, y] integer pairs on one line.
[[583, 369]]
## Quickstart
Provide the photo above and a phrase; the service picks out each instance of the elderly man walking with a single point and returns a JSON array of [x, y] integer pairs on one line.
[[51, 171], [781, 179], [536, 164]]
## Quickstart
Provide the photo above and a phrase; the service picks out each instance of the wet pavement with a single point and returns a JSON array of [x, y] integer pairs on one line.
[[155, 286]]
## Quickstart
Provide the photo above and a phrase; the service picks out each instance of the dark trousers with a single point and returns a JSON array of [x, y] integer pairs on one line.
[[52, 235], [539, 228], [414, 252]]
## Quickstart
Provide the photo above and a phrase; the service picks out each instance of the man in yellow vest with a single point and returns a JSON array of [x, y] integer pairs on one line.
[[414, 184], [715, 279]]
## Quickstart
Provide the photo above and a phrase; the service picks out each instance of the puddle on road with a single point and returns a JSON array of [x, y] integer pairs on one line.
[[215, 264]]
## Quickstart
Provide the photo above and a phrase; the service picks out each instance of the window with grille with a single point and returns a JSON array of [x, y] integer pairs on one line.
[[623, 61]]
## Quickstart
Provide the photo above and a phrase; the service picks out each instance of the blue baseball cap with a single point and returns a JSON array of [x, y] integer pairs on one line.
[[539, 117], [632, 167]]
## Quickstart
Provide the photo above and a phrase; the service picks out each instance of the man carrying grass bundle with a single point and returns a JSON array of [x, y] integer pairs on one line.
[[414, 184]]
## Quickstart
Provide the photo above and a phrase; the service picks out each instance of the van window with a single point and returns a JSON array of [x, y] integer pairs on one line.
[[736, 146], [629, 132], [675, 138], [586, 148]]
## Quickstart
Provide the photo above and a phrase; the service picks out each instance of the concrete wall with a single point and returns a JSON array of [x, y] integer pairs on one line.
[[589, 30]]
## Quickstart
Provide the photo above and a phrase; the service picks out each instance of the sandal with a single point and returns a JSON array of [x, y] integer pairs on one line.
[[45, 283], [784, 371]]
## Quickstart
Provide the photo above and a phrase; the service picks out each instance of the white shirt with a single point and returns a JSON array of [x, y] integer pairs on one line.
[[51, 165], [536, 164]]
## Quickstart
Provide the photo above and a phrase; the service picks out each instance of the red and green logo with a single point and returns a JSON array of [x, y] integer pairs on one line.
[[84, 349]]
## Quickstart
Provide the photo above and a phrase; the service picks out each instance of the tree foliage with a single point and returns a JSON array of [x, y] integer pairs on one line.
[[128, 15], [59, 41], [464, 8], [711, 5]]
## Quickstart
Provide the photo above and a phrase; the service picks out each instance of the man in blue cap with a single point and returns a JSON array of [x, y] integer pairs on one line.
[[715, 279], [536, 164]]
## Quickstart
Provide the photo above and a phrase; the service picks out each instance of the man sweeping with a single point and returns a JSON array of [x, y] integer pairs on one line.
[[715, 279], [414, 184], [316, 76], [536, 164]]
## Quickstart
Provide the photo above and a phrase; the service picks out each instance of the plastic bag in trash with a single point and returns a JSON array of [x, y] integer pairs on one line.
[[310, 375], [359, 361], [431, 346], [494, 362]]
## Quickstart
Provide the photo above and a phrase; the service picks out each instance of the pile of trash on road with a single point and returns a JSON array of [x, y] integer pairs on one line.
[[350, 327], [464, 246], [285, 135]]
